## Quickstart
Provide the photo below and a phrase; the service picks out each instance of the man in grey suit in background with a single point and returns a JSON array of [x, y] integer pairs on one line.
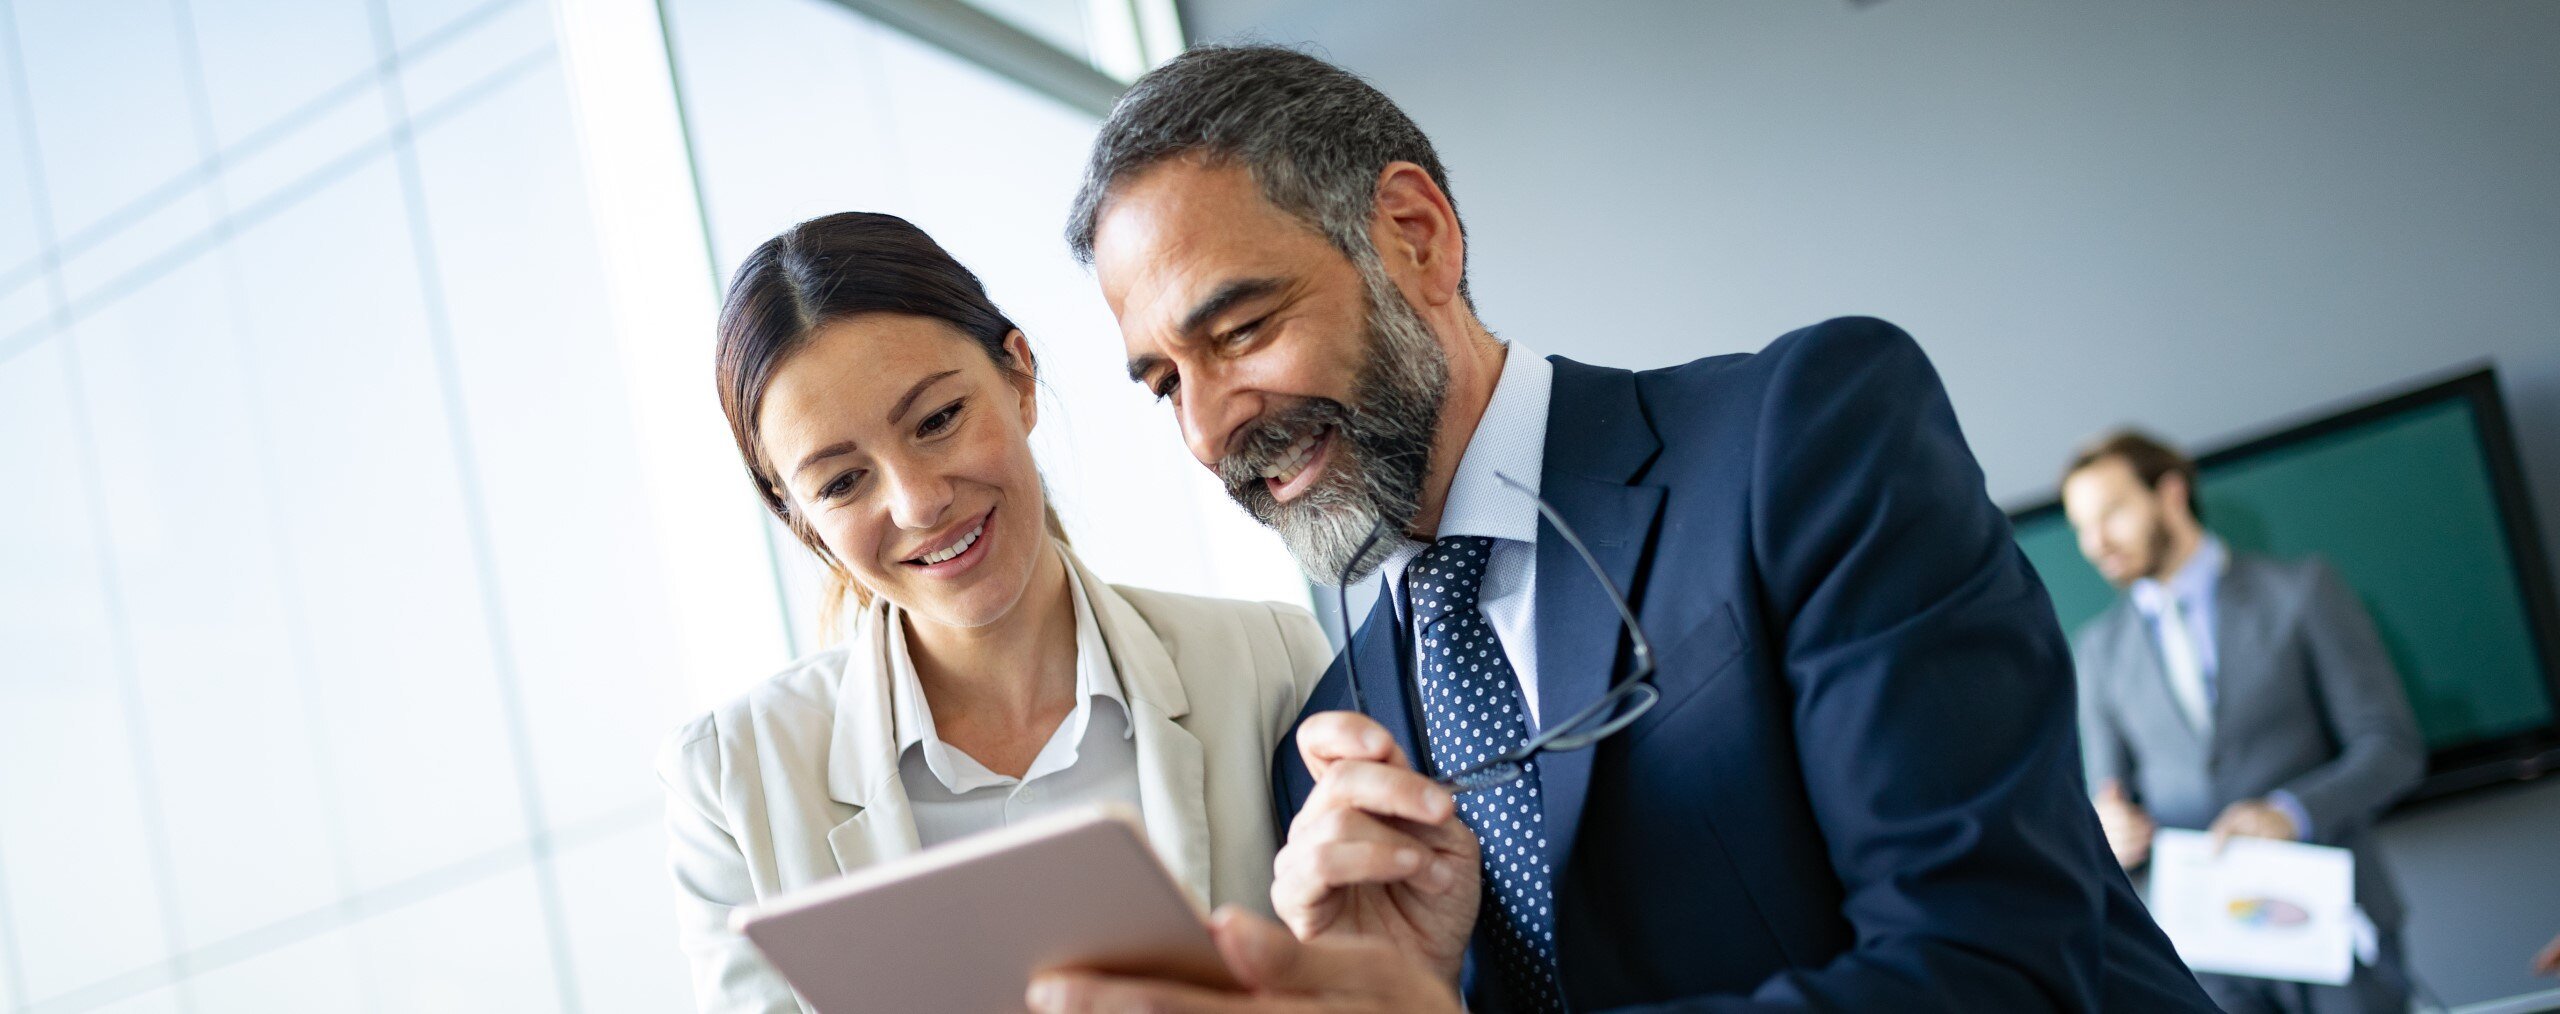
[[2237, 694]]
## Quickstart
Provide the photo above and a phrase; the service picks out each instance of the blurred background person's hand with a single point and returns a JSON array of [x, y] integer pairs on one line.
[[2253, 818], [2128, 828]]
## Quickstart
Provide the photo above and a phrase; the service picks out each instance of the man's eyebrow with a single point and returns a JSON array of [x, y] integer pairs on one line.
[[908, 400], [1225, 299], [1141, 365]]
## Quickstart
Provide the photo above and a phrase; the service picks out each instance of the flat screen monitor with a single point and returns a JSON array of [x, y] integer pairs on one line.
[[2418, 502]]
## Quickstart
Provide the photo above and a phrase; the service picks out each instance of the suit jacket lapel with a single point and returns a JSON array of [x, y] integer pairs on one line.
[[862, 755], [2140, 654], [877, 834], [1173, 775], [2239, 634], [1381, 655], [1597, 442]]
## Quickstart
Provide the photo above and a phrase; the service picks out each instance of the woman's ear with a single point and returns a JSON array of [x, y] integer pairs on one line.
[[1025, 376]]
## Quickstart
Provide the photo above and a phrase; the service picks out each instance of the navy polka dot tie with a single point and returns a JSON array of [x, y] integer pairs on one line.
[[1473, 711]]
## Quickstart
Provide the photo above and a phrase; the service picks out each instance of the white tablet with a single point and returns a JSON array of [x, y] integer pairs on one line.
[[962, 927]]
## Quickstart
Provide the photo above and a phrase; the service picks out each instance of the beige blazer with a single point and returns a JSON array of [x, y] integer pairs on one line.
[[797, 781]]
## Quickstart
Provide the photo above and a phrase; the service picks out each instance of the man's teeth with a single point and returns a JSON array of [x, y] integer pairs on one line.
[[956, 548], [1291, 463]]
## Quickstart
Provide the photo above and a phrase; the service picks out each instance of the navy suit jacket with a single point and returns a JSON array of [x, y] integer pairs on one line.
[[1861, 788]]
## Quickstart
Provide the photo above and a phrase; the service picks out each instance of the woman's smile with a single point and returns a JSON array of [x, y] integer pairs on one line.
[[957, 550]]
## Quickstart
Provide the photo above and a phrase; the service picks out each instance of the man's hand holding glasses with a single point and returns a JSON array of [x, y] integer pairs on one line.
[[1378, 850]]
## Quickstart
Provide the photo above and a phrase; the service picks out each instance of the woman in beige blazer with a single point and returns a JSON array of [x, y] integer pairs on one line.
[[883, 406]]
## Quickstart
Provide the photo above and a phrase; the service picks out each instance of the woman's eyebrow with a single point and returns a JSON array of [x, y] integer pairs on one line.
[[908, 401], [822, 454]]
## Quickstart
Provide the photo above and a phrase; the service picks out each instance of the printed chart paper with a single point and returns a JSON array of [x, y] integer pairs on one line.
[[2263, 908]]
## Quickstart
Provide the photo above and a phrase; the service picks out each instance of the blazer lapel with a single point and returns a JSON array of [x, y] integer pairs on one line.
[[875, 835], [1597, 442], [1381, 652], [2140, 654], [1173, 784], [2240, 635], [1173, 775], [862, 755]]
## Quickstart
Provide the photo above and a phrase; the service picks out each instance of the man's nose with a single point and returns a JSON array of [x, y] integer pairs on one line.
[[1209, 413]]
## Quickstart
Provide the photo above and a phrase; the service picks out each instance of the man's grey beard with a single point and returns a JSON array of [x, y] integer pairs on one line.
[[1380, 456]]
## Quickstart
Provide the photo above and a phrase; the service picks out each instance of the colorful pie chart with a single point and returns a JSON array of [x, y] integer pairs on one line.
[[2267, 913]]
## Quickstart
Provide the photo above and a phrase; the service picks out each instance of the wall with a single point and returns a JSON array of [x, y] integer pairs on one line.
[[2198, 216]]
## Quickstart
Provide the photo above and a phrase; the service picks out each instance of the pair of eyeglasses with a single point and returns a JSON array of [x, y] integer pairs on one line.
[[1627, 700]]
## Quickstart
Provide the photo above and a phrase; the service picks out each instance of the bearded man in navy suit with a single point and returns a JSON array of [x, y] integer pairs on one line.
[[1851, 782]]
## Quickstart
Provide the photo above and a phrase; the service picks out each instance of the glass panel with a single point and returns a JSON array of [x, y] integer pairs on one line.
[[622, 918], [81, 896], [474, 947], [92, 62], [551, 435], [381, 553], [266, 60], [1121, 38], [317, 975], [163, 1000], [18, 246], [424, 22], [322, 495], [208, 619], [285, 162], [473, 52], [755, 75], [1060, 23]]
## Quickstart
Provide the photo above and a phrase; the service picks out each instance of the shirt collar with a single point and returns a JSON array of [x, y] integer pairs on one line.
[[912, 720], [2193, 583], [1510, 440]]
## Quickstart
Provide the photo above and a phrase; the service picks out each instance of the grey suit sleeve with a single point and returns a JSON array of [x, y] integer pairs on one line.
[[2379, 753], [2104, 754]]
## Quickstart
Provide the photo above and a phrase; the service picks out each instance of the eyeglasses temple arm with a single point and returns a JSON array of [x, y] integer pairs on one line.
[[1635, 631], [1342, 603]]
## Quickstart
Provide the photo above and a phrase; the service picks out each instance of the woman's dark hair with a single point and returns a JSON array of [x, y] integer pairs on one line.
[[815, 274]]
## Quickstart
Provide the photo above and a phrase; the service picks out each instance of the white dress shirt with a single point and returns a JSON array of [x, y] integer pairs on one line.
[[1089, 759], [1510, 439]]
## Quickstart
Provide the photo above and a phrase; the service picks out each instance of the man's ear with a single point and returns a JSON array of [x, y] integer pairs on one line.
[[1414, 228], [2173, 491], [1025, 376]]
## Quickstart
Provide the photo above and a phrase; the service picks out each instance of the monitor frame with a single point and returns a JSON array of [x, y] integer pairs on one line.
[[2516, 757]]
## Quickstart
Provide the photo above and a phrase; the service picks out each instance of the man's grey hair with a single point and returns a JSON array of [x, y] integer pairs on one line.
[[1314, 136]]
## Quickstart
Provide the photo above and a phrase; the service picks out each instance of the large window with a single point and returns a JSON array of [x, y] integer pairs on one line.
[[329, 668], [364, 518]]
